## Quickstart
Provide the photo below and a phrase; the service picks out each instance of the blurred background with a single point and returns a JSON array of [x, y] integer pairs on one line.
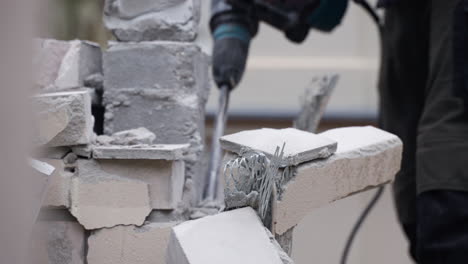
[[278, 71]]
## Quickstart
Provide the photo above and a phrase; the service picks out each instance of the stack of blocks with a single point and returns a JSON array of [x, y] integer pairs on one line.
[[114, 198]]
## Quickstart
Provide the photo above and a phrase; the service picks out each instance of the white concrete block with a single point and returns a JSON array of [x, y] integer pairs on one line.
[[58, 191], [146, 152], [64, 119], [231, 237], [366, 157], [58, 242], [300, 146], [140, 20], [130, 244], [165, 179], [101, 199], [63, 65]]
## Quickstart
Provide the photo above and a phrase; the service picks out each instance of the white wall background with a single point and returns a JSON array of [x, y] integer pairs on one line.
[[277, 73]]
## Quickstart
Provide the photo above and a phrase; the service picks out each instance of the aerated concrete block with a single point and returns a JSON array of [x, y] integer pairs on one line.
[[174, 118], [64, 119], [130, 244], [236, 236], [174, 68], [58, 191], [65, 64], [100, 199], [300, 146], [366, 157], [143, 20], [58, 243]]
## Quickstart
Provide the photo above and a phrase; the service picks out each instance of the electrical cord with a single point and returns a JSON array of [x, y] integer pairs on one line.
[[349, 242]]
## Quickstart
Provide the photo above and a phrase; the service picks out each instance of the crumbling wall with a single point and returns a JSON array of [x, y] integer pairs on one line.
[[113, 198]]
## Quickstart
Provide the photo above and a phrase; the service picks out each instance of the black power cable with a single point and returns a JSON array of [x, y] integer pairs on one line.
[[344, 257]]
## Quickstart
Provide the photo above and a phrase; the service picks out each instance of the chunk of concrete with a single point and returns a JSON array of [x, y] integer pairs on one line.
[[137, 136], [143, 20], [101, 199], [231, 237], [58, 191], [65, 119], [366, 157], [130, 244], [146, 152], [63, 65], [58, 242], [300, 146]]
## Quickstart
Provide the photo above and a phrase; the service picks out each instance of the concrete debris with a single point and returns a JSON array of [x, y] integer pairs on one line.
[[231, 237], [137, 136], [300, 146], [63, 65], [366, 157], [147, 20], [101, 199], [58, 243], [150, 152], [58, 191], [130, 244], [64, 119]]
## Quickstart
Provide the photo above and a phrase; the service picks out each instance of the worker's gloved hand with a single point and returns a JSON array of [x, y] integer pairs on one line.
[[230, 51]]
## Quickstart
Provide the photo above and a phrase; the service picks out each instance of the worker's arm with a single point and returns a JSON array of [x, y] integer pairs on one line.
[[235, 22]]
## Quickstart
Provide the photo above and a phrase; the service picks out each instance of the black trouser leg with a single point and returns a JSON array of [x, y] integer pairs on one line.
[[442, 231]]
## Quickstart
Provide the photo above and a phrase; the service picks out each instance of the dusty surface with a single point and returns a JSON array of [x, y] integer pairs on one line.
[[366, 157], [300, 146], [101, 199], [64, 119], [64, 65], [146, 20], [130, 244], [231, 237]]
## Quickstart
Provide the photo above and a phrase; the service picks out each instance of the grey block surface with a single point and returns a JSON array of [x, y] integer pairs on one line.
[[63, 65], [146, 20], [300, 146], [173, 67]]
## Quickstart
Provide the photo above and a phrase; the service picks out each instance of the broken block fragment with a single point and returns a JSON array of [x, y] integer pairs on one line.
[[236, 236], [58, 191], [143, 20], [366, 157], [63, 65], [58, 242], [100, 199], [129, 244], [64, 119], [300, 146]]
